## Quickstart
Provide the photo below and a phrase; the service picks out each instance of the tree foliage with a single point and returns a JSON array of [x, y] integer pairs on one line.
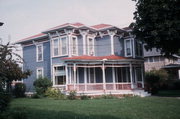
[[158, 25], [9, 68]]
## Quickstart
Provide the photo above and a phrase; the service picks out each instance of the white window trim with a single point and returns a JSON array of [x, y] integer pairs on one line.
[[37, 52], [76, 46], [59, 47], [57, 65], [130, 47], [39, 68], [89, 47]]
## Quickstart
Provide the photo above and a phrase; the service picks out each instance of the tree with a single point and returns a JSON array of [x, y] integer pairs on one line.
[[9, 68], [158, 25]]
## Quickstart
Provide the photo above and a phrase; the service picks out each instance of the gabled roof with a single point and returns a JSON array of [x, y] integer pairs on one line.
[[86, 57], [75, 25], [101, 26], [40, 35]]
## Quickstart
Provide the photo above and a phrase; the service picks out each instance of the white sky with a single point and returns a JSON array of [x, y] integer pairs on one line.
[[23, 18]]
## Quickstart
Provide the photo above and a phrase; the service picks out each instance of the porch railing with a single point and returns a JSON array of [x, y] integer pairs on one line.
[[99, 86]]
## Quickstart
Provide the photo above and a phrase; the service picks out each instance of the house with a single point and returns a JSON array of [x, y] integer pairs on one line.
[[89, 59], [155, 60]]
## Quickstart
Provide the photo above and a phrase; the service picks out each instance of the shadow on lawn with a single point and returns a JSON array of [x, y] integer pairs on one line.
[[49, 114]]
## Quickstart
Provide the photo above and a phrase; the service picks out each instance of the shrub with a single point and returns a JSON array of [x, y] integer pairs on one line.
[[54, 93], [19, 90], [72, 95], [155, 79], [109, 96], [5, 99], [41, 85], [36, 96], [84, 97]]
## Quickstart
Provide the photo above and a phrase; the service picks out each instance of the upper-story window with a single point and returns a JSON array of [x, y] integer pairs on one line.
[[39, 72], [74, 46], [139, 48], [55, 47], [59, 46], [39, 53], [128, 47], [90, 46]]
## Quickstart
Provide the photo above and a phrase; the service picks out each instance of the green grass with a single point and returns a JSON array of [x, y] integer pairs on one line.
[[169, 93], [126, 108]]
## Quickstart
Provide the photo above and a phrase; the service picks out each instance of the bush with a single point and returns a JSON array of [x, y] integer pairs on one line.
[[41, 85], [19, 90], [110, 96], [5, 99], [155, 79], [84, 97], [54, 93], [36, 96], [72, 95]]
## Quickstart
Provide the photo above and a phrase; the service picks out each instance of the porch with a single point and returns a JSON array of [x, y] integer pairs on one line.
[[100, 75]]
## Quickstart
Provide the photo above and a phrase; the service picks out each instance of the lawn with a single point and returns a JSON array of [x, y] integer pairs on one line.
[[126, 108]]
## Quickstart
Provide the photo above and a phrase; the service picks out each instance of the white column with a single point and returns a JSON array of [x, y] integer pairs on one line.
[[67, 79], [112, 33], [112, 44], [69, 45], [74, 69], [70, 76], [85, 78], [113, 76], [84, 44], [131, 77], [104, 77], [84, 34]]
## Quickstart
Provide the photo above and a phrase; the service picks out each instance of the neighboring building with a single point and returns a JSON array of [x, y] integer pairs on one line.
[[155, 60], [92, 60]]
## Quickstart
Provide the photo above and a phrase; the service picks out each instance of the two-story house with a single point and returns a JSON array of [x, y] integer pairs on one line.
[[89, 59]]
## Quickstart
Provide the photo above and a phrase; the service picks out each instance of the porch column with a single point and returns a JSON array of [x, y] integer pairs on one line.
[[67, 78], [131, 77], [113, 76], [74, 69], [85, 78], [104, 77], [142, 72]]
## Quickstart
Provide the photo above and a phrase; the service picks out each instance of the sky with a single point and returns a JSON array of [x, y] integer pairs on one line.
[[24, 18]]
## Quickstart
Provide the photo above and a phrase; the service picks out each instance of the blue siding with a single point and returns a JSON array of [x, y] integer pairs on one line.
[[29, 55], [103, 46]]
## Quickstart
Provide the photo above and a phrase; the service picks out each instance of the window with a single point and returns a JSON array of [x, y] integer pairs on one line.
[[60, 46], [90, 46], [55, 47], [128, 47], [74, 45], [151, 59], [138, 74], [139, 48], [63, 45], [39, 72], [39, 53], [59, 75]]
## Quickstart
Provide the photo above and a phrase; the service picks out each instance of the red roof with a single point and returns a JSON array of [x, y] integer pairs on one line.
[[32, 37], [85, 57], [67, 24], [101, 26]]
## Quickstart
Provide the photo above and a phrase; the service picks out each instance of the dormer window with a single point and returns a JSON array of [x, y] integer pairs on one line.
[[90, 46], [128, 47], [39, 53]]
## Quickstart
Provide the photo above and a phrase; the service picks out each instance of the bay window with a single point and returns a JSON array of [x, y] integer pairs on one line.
[[59, 75], [74, 45], [39, 72]]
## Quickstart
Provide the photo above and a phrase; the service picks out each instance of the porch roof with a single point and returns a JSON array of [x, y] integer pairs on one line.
[[86, 57]]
